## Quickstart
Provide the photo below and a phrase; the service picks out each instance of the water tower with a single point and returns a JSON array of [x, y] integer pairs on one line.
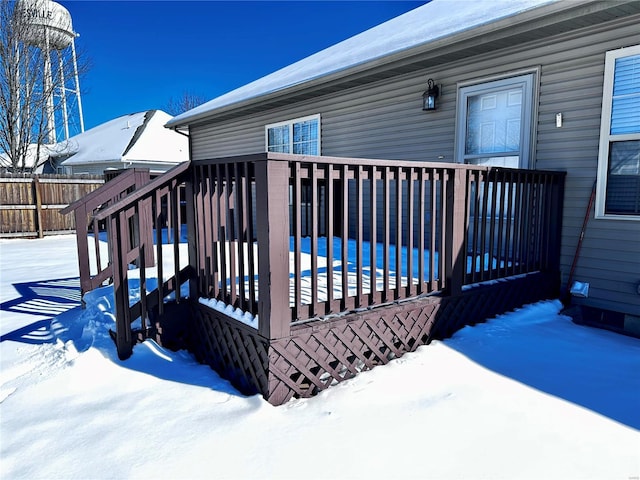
[[48, 30]]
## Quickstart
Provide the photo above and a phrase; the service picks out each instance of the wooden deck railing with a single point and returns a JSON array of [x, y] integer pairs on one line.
[[84, 210], [141, 229], [290, 238]]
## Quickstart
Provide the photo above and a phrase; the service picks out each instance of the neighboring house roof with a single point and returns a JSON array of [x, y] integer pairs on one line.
[[432, 22], [34, 157], [137, 137]]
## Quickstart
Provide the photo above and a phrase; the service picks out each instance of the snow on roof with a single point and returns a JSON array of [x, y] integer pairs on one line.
[[430, 22], [138, 136], [34, 157]]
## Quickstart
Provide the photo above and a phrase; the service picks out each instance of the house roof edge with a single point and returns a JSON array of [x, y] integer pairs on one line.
[[548, 9]]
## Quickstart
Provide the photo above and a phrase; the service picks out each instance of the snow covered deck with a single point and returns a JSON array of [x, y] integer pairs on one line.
[[454, 244]]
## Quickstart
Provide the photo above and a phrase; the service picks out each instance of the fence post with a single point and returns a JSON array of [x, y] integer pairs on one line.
[[272, 219], [37, 195], [455, 255]]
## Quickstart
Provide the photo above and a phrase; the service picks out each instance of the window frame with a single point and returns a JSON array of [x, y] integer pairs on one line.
[[527, 78], [290, 124], [605, 133]]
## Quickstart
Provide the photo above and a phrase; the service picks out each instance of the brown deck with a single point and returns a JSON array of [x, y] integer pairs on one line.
[[458, 244]]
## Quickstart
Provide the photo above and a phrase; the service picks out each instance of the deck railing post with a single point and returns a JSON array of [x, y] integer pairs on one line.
[[123, 337], [272, 221], [81, 216], [455, 256], [192, 233], [555, 222]]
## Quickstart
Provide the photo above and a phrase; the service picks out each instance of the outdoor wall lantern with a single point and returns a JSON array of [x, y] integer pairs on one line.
[[429, 97]]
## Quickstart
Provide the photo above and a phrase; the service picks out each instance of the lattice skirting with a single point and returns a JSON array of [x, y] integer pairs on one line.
[[319, 354], [231, 348]]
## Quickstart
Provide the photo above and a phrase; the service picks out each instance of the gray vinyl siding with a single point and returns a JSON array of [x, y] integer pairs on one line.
[[384, 120], [94, 169]]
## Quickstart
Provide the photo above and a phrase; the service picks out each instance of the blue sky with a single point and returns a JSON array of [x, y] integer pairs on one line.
[[144, 53]]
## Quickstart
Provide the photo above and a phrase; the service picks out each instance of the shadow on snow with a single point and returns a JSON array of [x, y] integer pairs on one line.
[[593, 368], [60, 300]]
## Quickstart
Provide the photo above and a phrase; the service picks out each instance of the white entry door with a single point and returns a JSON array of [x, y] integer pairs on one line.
[[494, 122]]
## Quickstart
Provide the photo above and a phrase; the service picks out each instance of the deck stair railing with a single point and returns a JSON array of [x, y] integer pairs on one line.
[[144, 231], [94, 270]]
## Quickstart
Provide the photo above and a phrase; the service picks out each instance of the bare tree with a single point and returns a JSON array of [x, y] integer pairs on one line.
[[187, 101], [35, 71]]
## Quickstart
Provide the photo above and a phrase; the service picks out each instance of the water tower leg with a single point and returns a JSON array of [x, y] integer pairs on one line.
[[48, 85], [63, 97], [75, 72]]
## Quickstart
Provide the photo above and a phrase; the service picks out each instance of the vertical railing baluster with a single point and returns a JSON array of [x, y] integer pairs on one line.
[[386, 235], [157, 207], [344, 253], [493, 173], [204, 184], [501, 224], [213, 227], [500, 211], [175, 200], [508, 186], [373, 234], [231, 245], [192, 226], [142, 267], [296, 218], [96, 243], [421, 230], [222, 230], [469, 201], [517, 225], [435, 270], [527, 208], [250, 237], [359, 236], [486, 192], [314, 239], [409, 291], [240, 177], [398, 239], [329, 212], [444, 240], [477, 218]]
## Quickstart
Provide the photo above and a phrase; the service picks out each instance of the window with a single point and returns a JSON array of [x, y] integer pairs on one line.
[[618, 194], [301, 135], [494, 122]]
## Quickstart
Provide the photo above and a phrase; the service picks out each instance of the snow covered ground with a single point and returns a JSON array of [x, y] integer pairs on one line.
[[527, 395]]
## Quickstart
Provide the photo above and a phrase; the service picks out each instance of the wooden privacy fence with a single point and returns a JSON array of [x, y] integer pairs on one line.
[[30, 205], [376, 233]]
